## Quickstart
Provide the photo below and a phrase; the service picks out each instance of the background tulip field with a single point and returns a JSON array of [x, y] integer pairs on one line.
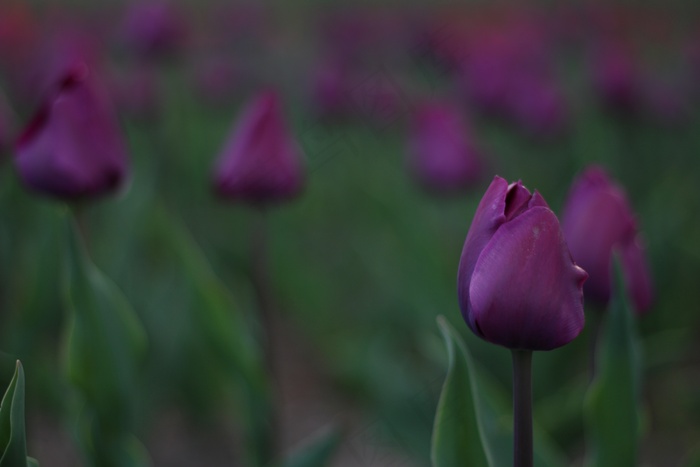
[[136, 314]]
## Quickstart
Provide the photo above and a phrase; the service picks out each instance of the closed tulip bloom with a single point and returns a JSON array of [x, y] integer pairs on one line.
[[153, 29], [73, 147], [517, 283], [261, 162], [442, 155], [598, 221]]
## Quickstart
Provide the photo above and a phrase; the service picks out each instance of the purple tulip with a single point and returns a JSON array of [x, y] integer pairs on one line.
[[597, 221], [442, 155], [260, 162], [537, 106], [616, 78], [73, 147], [331, 90], [153, 29], [518, 286]]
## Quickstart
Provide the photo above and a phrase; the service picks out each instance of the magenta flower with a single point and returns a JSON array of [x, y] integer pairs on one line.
[[598, 221], [616, 78], [538, 106], [260, 162], [442, 154], [518, 286], [153, 29], [73, 147]]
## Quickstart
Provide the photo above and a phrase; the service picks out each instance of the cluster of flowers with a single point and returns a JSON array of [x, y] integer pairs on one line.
[[73, 148]]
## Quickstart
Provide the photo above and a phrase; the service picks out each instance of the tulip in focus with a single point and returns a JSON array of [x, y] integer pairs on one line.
[[442, 154], [517, 283], [261, 162], [73, 147], [597, 222]]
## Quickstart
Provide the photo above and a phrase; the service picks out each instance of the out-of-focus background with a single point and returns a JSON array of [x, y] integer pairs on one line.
[[363, 262]]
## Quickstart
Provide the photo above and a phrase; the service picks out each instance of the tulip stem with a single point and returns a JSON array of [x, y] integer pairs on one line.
[[261, 284], [522, 408]]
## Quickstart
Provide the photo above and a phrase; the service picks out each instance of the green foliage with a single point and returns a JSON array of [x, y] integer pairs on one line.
[[612, 402], [317, 453], [473, 424], [229, 334], [13, 440], [105, 344], [459, 436]]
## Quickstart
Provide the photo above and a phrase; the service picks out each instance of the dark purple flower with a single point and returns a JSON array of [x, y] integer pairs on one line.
[[538, 106], [73, 147], [598, 221], [667, 102], [153, 29], [616, 78], [331, 90], [518, 286], [441, 150], [261, 162]]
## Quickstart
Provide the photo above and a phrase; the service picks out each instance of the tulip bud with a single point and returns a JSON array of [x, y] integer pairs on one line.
[[73, 147], [518, 286], [616, 80], [260, 162], [153, 30], [442, 155], [598, 220]]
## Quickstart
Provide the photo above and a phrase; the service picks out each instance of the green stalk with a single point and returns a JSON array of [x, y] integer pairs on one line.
[[522, 408]]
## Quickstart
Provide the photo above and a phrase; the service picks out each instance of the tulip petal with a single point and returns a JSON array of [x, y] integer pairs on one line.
[[526, 269], [488, 217], [260, 162], [596, 217]]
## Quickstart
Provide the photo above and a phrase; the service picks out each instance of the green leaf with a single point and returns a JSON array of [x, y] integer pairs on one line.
[[474, 421], [317, 453], [458, 438], [612, 402], [13, 441], [215, 310], [105, 341], [231, 337]]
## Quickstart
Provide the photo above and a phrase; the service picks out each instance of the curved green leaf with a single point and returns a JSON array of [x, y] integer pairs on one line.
[[317, 453], [457, 433], [13, 441], [612, 402], [473, 424], [105, 341]]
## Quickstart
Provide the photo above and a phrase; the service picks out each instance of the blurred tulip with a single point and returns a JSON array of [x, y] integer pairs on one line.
[[73, 147], [665, 103], [261, 162], [615, 78], [442, 153], [518, 286], [153, 29], [330, 90], [598, 221], [538, 106]]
